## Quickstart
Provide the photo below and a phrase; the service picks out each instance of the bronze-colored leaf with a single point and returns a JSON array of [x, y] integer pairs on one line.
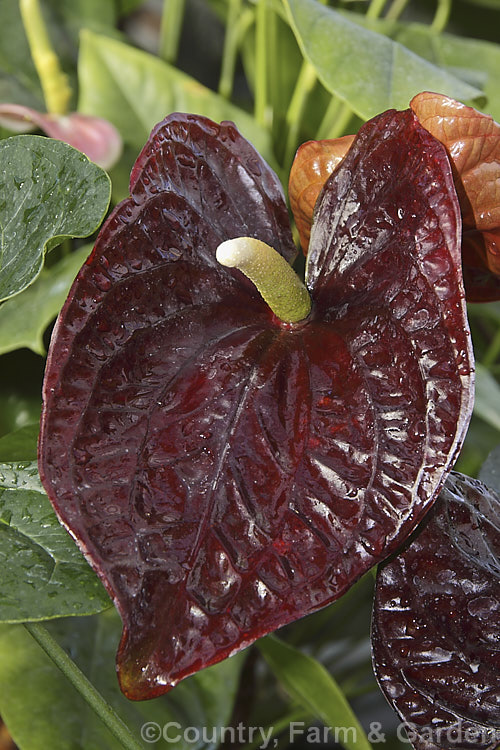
[[313, 164], [472, 140]]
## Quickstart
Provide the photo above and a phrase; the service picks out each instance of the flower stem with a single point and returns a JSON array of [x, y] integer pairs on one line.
[[54, 82], [274, 278], [305, 83], [442, 15], [396, 9], [375, 8], [85, 688], [335, 120], [231, 41], [261, 114], [171, 28]]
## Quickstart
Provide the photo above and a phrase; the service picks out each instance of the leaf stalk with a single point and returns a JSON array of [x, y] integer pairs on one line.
[[83, 685], [54, 82], [171, 29]]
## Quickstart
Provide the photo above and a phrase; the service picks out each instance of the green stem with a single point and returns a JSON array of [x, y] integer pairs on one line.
[[329, 118], [85, 688], [375, 8], [396, 9], [275, 279], [339, 125], [442, 16], [54, 82], [261, 114], [305, 84], [231, 41], [171, 28]]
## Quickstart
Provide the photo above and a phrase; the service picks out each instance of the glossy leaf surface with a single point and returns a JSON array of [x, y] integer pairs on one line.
[[313, 164], [23, 320], [366, 69], [43, 573], [436, 624], [48, 192], [473, 143], [227, 473]]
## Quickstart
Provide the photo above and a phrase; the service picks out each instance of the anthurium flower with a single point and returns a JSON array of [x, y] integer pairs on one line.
[[472, 141], [96, 138], [436, 623], [227, 470]]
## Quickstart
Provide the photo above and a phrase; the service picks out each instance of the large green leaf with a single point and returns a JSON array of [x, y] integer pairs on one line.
[[24, 319], [308, 683], [31, 687], [367, 70], [473, 60], [134, 90], [49, 191], [43, 573], [487, 401]]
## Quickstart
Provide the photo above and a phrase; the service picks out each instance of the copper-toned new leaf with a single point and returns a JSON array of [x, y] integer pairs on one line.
[[313, 164], [473, 144], [227, 473], [436, 623]]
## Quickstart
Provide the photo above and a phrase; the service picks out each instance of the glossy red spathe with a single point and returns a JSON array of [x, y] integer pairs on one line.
[[226, 473]]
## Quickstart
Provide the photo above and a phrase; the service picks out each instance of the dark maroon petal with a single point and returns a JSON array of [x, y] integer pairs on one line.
[[220, 174], [436, 623], [226, 473], [384, 266]]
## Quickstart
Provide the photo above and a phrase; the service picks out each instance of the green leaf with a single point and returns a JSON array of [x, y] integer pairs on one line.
[[135, 90], [59, 718], [367, 70], [43, 573], [473, 60], [24, 319], [18, 410], [20, 445], [49, 191], [487, 402], [480, 440], [490, 470], [308, 683]]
